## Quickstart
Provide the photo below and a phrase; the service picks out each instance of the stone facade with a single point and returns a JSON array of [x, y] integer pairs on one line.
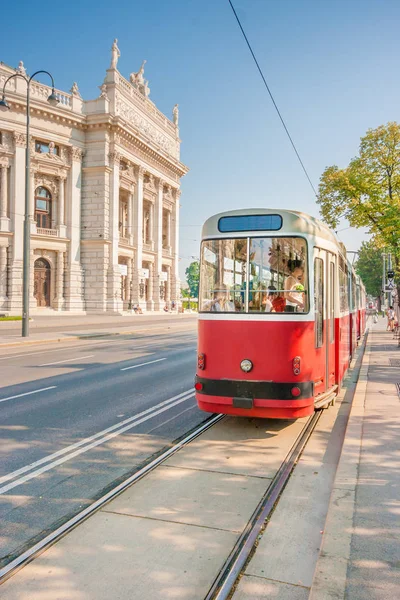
[[104, 189]]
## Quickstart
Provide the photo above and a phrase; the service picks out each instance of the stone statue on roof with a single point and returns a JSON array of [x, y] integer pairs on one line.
[[138, 80], [75, 90], [115, 54], [21, 68], [175, 113]]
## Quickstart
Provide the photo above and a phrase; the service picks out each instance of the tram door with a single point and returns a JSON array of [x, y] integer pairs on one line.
[[330, 319], [324, 300]]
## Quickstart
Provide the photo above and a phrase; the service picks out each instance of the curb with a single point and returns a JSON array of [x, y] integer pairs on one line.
[[83, 336], [330, 576]]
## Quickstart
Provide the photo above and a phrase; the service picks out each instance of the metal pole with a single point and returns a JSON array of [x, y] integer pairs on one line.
[[383, 281], [27, 229], [389, 269]]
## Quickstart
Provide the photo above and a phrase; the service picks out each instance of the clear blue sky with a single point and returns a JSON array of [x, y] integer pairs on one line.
[[333, 67]]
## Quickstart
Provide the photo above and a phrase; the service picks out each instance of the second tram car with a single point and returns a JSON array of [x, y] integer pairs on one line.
[[280, 312]]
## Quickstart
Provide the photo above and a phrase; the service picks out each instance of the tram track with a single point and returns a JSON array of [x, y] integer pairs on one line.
[[31, 553], [240, 555]]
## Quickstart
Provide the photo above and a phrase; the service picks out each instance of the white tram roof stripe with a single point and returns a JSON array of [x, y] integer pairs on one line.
[[293, 223]]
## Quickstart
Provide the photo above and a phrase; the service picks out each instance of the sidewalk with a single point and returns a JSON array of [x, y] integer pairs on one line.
[[67, 328], [360, 555]]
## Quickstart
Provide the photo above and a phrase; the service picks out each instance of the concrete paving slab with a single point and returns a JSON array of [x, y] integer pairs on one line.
[[98, 561], [384, 585], [289, 548], [193, 497], [242, 446], [255, 588]]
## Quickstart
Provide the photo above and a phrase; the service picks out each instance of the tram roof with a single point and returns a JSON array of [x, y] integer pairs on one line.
[[292, 222]]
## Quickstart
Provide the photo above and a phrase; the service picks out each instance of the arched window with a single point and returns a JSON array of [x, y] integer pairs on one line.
[[43, 208]]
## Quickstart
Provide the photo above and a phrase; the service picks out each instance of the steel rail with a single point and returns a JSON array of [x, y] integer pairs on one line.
[[20, 561], [224, 582]]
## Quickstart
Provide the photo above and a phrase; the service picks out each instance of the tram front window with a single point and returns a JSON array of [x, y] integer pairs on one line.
[[254, 275]]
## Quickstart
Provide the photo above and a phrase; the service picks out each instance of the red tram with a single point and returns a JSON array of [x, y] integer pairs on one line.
[[280, 313]]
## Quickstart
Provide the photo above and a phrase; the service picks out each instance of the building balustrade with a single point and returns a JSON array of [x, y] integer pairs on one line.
[[47, 232]]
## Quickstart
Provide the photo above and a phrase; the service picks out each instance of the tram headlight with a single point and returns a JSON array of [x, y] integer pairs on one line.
[[246, 365]]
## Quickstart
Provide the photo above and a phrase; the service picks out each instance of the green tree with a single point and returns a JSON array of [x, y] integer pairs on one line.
[[367, 191], [192, 277], [369, 268]]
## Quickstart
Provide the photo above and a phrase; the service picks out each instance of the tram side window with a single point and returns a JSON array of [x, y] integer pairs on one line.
[[223, 275], [319, 301], [343, 294]]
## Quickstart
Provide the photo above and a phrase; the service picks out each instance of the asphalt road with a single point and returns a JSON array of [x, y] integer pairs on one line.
[[76, 419]]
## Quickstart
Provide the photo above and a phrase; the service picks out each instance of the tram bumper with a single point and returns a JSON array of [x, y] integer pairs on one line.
[[269, 399]]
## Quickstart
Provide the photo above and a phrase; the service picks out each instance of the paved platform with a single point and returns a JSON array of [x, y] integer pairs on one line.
[[360, 555]]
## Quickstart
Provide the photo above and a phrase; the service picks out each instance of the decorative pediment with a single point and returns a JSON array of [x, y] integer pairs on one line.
[[49, 182]]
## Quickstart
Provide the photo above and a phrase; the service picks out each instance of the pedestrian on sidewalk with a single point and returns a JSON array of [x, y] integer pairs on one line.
[[390, 316]]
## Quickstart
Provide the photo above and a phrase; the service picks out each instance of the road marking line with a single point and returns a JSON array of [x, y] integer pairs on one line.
[[65, 349], [143, 364], [59, 362], [52, 387], [60, 461], [90, 439]]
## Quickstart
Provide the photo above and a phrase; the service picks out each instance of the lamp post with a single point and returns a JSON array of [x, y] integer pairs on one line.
[[53, 100]]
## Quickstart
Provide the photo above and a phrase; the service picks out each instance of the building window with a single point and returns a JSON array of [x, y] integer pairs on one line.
[[1, 138], [43, 208], [46, 148]]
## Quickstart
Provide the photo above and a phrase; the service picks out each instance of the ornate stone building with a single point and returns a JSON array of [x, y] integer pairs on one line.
[[104, 183]]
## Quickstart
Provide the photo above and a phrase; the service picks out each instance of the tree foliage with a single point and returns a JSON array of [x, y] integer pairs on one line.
[[369, 268], [192, 277], [367, 191]]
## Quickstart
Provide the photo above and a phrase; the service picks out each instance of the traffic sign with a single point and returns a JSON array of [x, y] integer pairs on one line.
[[390, 274]]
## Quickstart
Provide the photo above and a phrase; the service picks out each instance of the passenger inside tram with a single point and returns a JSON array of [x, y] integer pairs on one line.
[[221, 301], [294, 287]]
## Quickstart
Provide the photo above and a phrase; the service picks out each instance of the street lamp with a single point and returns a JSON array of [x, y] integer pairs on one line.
[[53, 100]]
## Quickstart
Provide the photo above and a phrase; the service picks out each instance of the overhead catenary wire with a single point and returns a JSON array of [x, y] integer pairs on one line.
[[273, 100]]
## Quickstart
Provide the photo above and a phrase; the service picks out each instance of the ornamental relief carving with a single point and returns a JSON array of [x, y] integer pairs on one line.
[[149, 183], [132, 147], [19, 139], [4, 161], [51, 183], [114, 158], [130, 115], [6, 142]]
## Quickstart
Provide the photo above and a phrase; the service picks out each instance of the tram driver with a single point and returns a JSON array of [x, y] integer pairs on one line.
[[294, 287]]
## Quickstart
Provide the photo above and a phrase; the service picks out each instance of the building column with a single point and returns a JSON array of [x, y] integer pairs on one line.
[[62, 229], [130, 224], [32, 299], [3, 277], [151, 225], [175, 281], [32, 184], [138, 237], [129, 283], [17, 224], [74, 281], [158, 302], [59, 303], [168, 285], [114, 300], [168, 230], [4, 194], [150, 301]]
